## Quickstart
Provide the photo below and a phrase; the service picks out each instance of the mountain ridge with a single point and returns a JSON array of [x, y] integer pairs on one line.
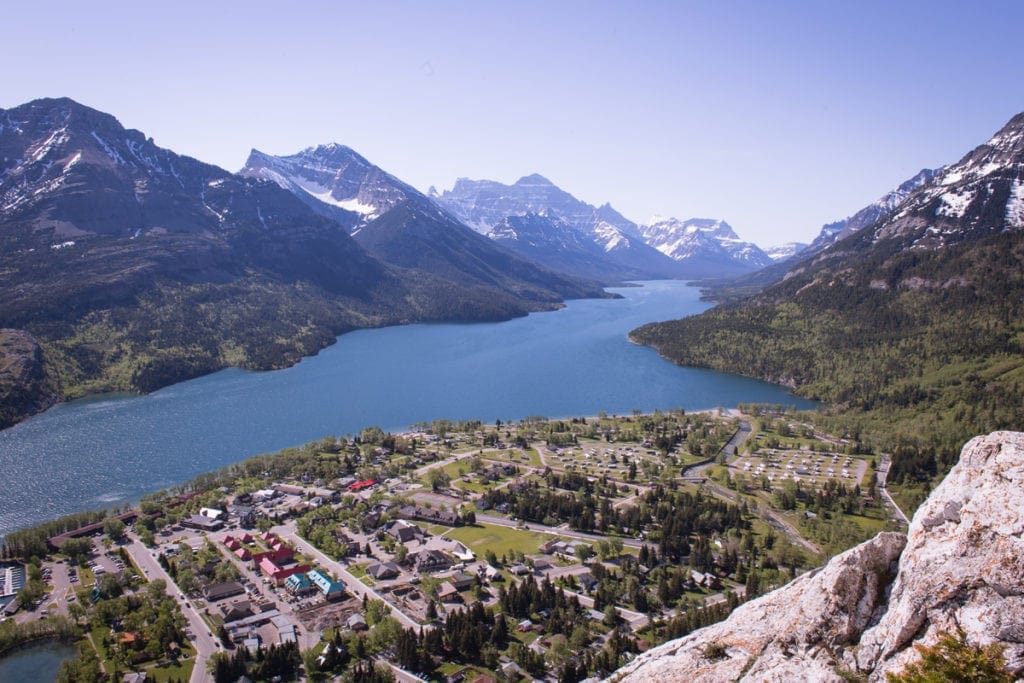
[[133, 267], [630, 250], [403, 227]]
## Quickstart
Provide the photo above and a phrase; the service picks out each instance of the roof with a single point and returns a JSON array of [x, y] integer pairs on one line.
[[219, 591], [298, 581], [326, 584], [383, 569]]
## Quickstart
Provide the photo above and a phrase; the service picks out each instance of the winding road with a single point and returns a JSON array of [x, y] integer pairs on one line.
[[774, 519]]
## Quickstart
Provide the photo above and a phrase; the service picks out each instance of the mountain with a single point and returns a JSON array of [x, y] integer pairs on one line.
[[570, 235], [784, 252], [401, 226], [333, 180], [710, 247], [865, 613], [913, 323], [786, 257], [870, 214], [125, 266]]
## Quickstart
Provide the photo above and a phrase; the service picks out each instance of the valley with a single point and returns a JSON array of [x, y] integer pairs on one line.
[[457, 548]]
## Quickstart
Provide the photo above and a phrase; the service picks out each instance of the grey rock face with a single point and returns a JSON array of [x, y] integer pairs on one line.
[[961, 566]]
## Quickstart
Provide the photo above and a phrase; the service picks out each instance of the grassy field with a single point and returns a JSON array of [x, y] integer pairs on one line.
[[483, 537], [86, 578], [182, 671], [871, 525]]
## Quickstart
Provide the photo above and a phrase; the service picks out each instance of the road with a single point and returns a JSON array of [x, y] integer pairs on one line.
[[883, 474], [203, 640], [354, 585], [774, 519]]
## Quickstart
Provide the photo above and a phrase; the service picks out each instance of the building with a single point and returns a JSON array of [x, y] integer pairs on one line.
[[12, 580], [383, 571], [462, 581], [235, 610], [278, 555], [202, 523], [431, 560], [356, 622], [404, 531], [299, 584], [431, 515], [463, 553], [285, 629], [331, 589], [588, 581], [220, 591], [351, 545], [446, 592], [212, 513], [246, 515], [278, 574]]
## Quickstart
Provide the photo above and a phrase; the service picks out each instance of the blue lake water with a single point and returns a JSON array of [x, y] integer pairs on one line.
[[35, 663], [576, 361]]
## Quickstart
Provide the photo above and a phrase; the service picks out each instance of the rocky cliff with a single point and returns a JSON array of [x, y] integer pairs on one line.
[[25, 386], [961, 566]]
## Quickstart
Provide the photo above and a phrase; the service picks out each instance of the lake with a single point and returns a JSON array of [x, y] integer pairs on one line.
[[577, 361], [37, 663]]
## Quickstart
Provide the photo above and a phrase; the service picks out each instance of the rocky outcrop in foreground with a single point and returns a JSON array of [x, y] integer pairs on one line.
[[961, 565]]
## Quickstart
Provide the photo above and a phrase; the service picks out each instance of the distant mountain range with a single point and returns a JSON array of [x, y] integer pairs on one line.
[[399, 225], [580, 238], [708, 245]]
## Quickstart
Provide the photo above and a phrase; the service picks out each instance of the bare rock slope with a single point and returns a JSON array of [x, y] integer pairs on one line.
[[960, 566]]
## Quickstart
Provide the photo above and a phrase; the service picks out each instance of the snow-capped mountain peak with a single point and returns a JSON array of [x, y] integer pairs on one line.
[[781, 252], [335, 175], [702, 238]]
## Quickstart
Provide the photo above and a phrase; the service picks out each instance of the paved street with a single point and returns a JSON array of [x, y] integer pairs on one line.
[[205, 642]]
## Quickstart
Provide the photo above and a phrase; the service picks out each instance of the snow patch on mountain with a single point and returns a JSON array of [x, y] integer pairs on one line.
[[1015, 205], [702, 237], [781, 252], [971, 198]]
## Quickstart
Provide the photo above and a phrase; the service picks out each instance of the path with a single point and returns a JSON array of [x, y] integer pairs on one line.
[[883, 474], [774, 519]]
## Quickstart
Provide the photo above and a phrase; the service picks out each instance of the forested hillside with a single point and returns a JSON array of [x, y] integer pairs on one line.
[[917, 366], [910, 329]]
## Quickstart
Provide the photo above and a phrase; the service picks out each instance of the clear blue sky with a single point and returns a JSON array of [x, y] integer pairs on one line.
[[776, 116]]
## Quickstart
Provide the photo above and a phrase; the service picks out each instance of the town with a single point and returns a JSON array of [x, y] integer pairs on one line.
[[534, 550]]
